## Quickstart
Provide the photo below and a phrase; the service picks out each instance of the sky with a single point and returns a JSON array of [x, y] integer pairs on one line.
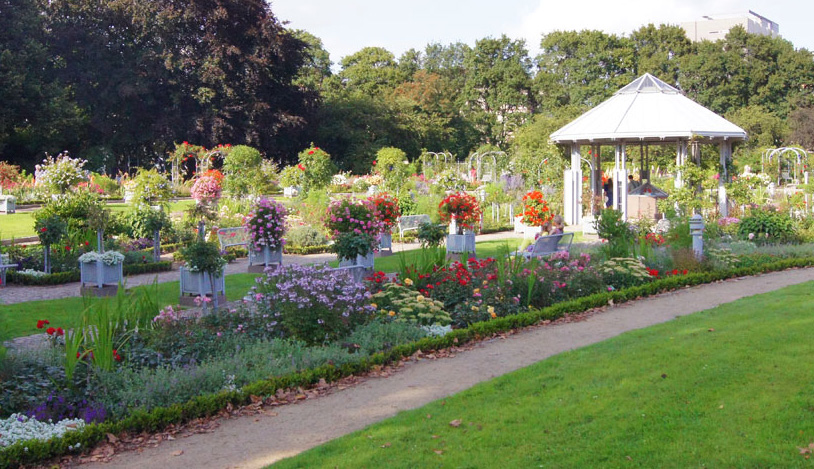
[[347, 26]]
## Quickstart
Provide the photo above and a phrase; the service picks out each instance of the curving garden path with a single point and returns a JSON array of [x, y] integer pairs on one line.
[[257, 440]]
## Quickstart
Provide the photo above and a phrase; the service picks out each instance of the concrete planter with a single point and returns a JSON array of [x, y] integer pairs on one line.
[[99, 278], [259, 260], [194, 284], [8, 204], [461, 243], [365, 261]]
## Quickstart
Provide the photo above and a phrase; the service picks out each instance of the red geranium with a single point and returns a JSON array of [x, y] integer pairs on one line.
[[463, 207], [42, 323], [387, 209], [535, 209], [51, 331]]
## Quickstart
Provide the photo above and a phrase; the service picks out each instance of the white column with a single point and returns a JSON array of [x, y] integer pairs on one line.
[[572, 189], [681, 160], [725, 149], [620, 181]]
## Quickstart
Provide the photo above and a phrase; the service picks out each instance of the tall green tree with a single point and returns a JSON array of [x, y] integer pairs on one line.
[[659, 50], [582, 68], [37, 113], [498, 87], [373, 71]]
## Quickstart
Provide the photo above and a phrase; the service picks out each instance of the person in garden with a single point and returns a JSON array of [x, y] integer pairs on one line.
[[557, 226], [608, 189]]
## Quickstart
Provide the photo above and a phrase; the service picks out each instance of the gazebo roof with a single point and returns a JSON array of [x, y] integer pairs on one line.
[[647, 109]]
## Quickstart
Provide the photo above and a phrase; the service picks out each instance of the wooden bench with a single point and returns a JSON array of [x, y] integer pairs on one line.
[[4, 266], [545, 246], [411, 222], [236, 236]]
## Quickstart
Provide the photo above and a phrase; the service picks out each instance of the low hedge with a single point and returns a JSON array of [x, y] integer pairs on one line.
[[31, 451], [304, 250], [149, 267], [61, 278], [58, 278]]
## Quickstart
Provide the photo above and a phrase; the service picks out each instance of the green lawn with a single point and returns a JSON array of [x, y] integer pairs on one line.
[[729, 387], [20, 319], [21, 224]]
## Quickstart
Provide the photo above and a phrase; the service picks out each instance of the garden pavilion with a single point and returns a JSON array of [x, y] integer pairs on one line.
[[645, 112]]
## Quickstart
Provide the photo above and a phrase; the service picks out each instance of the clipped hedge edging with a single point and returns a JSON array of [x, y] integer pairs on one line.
[[149, 267], [304, 250], [31, 451]]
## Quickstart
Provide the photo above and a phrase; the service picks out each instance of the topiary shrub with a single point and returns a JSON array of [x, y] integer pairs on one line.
[[767, 227]]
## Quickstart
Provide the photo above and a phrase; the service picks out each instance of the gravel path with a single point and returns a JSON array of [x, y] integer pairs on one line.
[[255, 441]]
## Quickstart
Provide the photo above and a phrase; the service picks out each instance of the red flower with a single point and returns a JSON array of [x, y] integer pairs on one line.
[[186, 143], [302, 168], [374, 162], [67, 248], [675, 271], [316, 148], [311, 152], [87, 243], [50, 331], [43, 229], [42, 323], [60, 332], [684, 272]]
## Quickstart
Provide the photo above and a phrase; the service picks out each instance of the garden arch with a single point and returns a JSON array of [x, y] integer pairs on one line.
[[647, 111], [796, 166]]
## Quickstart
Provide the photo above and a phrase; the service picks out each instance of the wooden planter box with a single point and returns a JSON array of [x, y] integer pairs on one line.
[[259, 260], [365, 261], [463, 243], [8, 204], [386, 242], [99, 278], [194, 284]]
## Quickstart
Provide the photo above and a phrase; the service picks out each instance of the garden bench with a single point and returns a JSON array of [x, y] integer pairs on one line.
[[544, 246], [236, 236], [411, 222], [5, 265]]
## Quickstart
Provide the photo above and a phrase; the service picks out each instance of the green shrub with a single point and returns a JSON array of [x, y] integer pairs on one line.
[[317, 168], [766, 227], [431, 234], [240, 169], [616, 232], [305, 236], [624, 272], [150, 187]]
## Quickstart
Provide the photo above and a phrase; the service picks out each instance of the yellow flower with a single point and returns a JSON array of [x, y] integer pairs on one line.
[[477, 290], [391, 313], [374, 305], [408, 281], [491, 310], [475, 308], [419, 298], [485, 282]]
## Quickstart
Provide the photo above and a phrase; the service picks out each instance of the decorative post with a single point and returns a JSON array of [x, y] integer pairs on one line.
[[201, 228], [697, 231], [46, 252], [156, 245], [723, 178]]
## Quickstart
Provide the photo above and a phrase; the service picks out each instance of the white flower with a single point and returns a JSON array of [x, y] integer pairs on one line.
[[108, 257]]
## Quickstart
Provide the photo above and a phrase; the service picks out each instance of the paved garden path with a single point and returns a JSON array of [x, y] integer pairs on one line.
[[255, 441]]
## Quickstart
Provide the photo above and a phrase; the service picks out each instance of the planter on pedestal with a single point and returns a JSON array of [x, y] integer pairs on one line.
[[386, 242], [529, 232], [8, 204], [99, 278], [461, 243], [365, 261], [194, 284], [260, 259]]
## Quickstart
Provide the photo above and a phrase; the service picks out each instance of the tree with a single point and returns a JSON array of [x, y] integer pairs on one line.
[[373, 71], [582, 68], [802, 125], [317, 66], [658, 51], [498, 87], [241, 171], [37, 113]]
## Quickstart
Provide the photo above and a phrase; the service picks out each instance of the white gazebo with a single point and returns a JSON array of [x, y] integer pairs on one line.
[[645, 112]]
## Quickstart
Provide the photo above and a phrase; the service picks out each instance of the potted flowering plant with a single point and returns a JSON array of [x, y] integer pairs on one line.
[[536, 213], [50, 229], [388, 213], [207, 189], [202, 276], [102, 269], [462, 211], [265, 225], [356, 230]]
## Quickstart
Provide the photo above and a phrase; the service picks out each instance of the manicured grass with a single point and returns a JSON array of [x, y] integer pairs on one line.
[[21, 224], [728, 387], [20, 319]]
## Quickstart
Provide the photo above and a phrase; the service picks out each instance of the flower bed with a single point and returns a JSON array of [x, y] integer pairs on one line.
[[198, 406]]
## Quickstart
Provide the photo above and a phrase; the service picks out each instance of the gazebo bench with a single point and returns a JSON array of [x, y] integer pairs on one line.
[[411, 222], [545, 246]]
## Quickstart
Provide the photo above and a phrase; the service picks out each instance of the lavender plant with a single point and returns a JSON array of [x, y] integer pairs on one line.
[[312, 303]]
